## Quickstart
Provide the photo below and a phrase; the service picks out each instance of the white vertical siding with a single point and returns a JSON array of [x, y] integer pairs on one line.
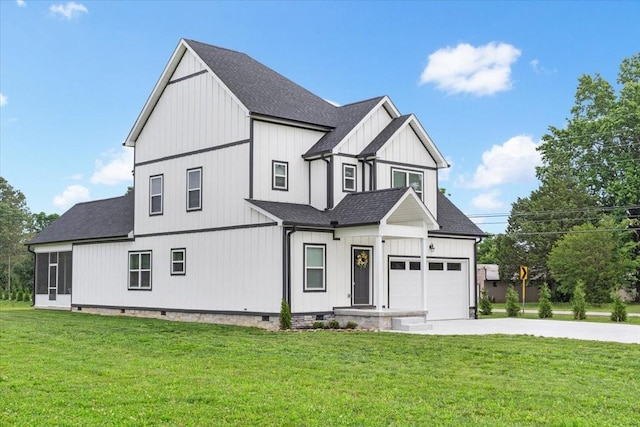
[[318, 169], [225, 185], [188, 65], [273, 141], [406, 147], [338, 161], [192, 114], [366, 132], [234, 270]]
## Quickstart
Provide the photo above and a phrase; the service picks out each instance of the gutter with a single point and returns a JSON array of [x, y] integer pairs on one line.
[[329, 163], [286, 264]]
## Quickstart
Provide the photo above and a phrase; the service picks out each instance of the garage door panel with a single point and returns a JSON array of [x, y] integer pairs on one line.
[[447, 287]]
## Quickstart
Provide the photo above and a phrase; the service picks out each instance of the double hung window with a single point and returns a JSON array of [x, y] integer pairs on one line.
[[348, 177], [314, 268], [194, 189], [155, 195], [280, 178], [140, 270]]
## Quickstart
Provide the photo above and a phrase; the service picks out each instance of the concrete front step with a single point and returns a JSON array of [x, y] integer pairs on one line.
[[408, 324]]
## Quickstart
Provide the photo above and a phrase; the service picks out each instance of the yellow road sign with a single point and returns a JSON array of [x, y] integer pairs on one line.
[[524, 272]]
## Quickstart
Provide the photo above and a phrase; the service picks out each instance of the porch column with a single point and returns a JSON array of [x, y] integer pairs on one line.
[[378, 271], [423, 271]]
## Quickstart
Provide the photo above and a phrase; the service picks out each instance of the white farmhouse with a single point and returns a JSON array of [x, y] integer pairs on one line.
[[249, 189]]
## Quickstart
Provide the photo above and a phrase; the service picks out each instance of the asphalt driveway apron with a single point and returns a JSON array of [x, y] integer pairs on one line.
[[614, 332]]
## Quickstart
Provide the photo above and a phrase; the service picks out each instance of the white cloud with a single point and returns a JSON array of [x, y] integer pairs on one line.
[[488, 201], [116, 168], [512, 162], [3, 100], [21, 3], [68, 10], [535, 64], [75, 177], [482, 70], [70, 196], [445, 174]]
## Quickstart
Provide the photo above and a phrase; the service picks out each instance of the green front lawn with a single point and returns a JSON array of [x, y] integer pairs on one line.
[[62, 368]]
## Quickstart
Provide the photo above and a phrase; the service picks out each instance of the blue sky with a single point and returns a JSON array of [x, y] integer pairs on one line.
[[486, 79]]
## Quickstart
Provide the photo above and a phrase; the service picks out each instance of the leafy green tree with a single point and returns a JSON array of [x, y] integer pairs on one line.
[[578, 303], [285, 316], [513, 307], [41, 221], [487, 250], [544, 308], [597, 256]]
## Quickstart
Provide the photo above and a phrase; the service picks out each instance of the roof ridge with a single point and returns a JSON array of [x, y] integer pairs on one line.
[[217, 47]]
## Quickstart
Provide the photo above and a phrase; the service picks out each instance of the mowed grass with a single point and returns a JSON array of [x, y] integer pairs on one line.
[[62, 368]]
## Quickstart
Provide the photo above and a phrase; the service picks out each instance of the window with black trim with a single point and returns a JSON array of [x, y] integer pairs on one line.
[[436, 266], [314, 267], [349, 177], [414, 265], [280, 178], [405, 178], [194, 189], [155, 194], [397, 265], [178, 262], [140, 270]]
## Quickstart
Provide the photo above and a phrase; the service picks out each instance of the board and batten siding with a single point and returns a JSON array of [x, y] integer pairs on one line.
[[192, 114], [234, 270], [318, 183], [364, 134], [283, 143], [406, 147], [225, 185], [339, 161]]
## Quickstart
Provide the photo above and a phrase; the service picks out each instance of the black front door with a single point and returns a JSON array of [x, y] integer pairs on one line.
[[361, 263]]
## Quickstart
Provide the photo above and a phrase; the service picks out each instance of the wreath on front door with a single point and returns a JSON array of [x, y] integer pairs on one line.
[[362, 260]]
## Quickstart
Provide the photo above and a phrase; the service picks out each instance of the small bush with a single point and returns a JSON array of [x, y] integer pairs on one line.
[[485, 304], [578, 303], [333, 324], [619, 311], [351, 325], [317, 325], [26, 297], [285, 316], [544, 309], [513, 307]]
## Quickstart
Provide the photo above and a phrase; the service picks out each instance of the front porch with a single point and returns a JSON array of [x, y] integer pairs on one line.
[[382, 320]]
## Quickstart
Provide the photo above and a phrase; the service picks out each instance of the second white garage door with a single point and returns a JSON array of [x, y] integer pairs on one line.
[[447, 287]]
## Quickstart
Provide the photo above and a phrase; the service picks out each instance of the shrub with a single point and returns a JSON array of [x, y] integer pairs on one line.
[[619, 311], [26, 297], [578, 303], [285, 316], [513, 308], [485, 304], [317, 325], [351, 325], [544, 309], [333, 324]]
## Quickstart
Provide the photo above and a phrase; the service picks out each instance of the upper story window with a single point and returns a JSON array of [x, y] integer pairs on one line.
[[155, 195], [348, 177], [280, 179], [406, 178], [140, 270], [194, 189]]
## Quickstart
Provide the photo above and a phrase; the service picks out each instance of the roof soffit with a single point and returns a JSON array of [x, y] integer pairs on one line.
[[408, 210]]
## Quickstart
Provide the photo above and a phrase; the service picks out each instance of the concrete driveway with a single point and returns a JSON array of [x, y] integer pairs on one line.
[[614, 332]]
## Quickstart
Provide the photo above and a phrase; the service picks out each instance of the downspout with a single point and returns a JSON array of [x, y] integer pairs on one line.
[[33, 295], [475, 276], [286, 265], [371, 164], [329, 181]]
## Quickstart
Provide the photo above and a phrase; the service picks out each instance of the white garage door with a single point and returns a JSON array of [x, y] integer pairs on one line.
[[447, 287]]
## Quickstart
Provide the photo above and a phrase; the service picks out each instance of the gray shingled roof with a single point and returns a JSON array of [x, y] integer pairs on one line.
[[347, 117], [262, 90], [368, 208], [453, 221], [384, 136], [100, 219]]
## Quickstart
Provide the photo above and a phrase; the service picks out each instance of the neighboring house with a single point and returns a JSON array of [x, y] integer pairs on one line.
[[489, 279], [249, 189]]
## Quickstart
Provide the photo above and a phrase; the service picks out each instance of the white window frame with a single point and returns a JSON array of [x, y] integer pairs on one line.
[[408, 172], [346, 179], [275, 175], [183, 262], [138, 286], [323, 268], [152, 194], [198, 189]]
